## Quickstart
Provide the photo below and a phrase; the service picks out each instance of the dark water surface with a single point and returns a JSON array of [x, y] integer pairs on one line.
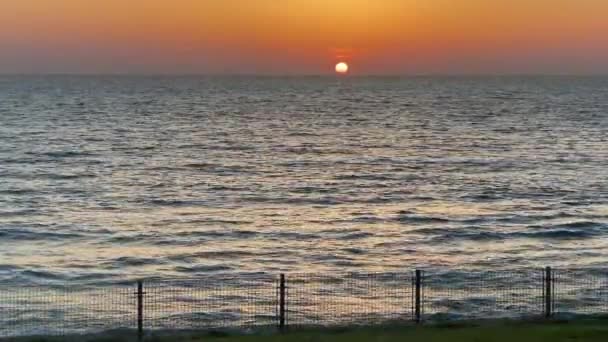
[[111, 178]]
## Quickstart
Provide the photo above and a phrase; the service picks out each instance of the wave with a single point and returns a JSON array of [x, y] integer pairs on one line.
[[18, 192], [202, 268], [66, 176], [325, 201], [214, 255], [526, 218], [302, 134], [202, 222], [217, 233], [580, 224], [63, 154], [225, 188], [411, 217], [227, 169], [10, 268], [356, 236], [202, 166], [344, 234], [28, 235], [182, 238], [347, 263], [558, 234], [51, 176], [19, 213], [174, 202], [294, 236], [123, 262], [39, 274], [20, 161], [356, 251], [440, 235], [370, 177], [419, 219]]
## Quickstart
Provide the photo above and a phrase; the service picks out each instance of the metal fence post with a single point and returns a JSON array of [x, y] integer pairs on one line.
[[282, 303], [418, 284], [548, 292], [140, 310]]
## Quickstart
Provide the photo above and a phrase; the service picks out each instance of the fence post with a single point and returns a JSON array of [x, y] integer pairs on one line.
[[282, 303], [140, 310], [418, 284], [548, 292]]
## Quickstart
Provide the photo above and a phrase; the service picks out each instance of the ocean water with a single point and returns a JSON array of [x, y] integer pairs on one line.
[[111, 178]]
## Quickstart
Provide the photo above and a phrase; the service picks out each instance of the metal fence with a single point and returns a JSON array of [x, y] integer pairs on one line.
[[63, 310], [263, 301], [455, 295]]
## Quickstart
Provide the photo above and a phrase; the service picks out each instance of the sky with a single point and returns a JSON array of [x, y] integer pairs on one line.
[[304, 36]]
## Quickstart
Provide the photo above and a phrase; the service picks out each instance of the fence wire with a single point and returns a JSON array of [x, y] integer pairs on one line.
[[229, 301], [457, 294], [246, 302], [582, 291], [65, 310], [353, 299]]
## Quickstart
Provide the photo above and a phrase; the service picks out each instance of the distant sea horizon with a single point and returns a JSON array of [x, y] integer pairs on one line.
[[351, 74]]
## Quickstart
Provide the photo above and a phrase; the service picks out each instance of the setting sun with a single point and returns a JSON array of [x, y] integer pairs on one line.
[[341, 68]]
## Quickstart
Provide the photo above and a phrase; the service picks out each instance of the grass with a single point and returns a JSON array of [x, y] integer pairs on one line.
[[588, 331]]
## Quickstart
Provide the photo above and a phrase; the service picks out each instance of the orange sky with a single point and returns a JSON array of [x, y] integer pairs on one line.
[[304, 36]]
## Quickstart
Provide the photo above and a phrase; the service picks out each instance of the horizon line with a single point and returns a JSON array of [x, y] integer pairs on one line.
[[325, 75]]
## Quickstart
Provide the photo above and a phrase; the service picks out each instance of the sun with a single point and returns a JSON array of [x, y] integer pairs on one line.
[[341, 68]]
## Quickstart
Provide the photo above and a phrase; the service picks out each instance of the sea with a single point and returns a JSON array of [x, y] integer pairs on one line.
[[111, 178]]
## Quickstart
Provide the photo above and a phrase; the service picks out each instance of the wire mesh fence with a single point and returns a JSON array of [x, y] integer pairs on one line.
[[262, 301], [352, 299], [582, 291], [65, 309], [458, 294], [228, 301]]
